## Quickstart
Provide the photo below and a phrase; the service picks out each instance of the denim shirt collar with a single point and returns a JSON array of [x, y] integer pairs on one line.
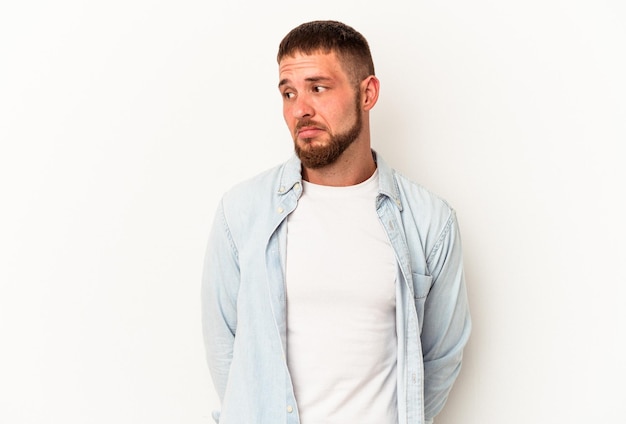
[[387, 185], [291, 177]]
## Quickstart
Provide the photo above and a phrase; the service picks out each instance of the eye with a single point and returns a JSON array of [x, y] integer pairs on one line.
[[288, 95], [319, 88]]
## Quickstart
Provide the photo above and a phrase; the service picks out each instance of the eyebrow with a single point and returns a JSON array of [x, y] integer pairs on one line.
[[309, 79]]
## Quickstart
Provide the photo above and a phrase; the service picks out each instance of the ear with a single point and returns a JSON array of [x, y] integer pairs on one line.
[[370, 87]]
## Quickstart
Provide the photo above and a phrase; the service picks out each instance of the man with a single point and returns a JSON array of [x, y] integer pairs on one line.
[[333, 289]]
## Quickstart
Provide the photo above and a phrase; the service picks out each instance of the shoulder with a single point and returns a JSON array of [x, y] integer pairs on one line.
[[416, 195], [251, 205], [265, 185], [412, 197], [426, 218], [244, 191]]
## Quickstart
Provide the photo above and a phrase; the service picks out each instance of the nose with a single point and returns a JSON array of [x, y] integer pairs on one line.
[[302, 107]]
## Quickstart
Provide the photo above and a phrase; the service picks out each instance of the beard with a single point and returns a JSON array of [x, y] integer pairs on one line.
[[315, 157]]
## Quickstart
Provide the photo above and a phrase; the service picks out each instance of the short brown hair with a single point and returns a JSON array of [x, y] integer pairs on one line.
[[350, 46]]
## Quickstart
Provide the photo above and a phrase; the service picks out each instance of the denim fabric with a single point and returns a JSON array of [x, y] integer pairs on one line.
[[244, 302]]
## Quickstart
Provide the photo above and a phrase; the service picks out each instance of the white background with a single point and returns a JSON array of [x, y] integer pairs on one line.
[[123, 122]]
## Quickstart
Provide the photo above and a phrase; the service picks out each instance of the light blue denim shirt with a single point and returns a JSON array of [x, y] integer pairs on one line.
[[244, 301]]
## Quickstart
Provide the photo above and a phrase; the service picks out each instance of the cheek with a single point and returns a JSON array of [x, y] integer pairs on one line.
[[340, 106]]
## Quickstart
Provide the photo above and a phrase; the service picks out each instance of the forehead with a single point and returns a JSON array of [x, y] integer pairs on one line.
[[299, 63]]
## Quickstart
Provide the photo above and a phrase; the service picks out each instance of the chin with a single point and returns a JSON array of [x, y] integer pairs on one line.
[[312, 143]]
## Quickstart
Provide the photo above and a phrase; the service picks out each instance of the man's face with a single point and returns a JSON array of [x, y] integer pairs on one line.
[[321, 107]]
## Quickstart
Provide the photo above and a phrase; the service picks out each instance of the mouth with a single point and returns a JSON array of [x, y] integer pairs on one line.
[[308, 132]]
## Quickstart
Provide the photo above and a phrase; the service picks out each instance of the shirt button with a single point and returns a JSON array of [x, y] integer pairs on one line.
[[281, 190], [280, 210], [289, 409], [297, 186]]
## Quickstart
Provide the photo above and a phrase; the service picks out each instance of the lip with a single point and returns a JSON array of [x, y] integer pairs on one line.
[[309, 132]]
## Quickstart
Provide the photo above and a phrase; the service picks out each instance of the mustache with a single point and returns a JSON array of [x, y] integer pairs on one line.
[[309, 123]]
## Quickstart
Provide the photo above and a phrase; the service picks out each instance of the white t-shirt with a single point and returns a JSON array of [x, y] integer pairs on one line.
[[341, 333]]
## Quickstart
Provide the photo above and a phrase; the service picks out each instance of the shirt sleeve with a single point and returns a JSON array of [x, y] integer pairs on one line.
[[447, 323], [220, 285]]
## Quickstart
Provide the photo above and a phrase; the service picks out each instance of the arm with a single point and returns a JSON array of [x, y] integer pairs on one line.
[[447, 321], [220, 285]]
